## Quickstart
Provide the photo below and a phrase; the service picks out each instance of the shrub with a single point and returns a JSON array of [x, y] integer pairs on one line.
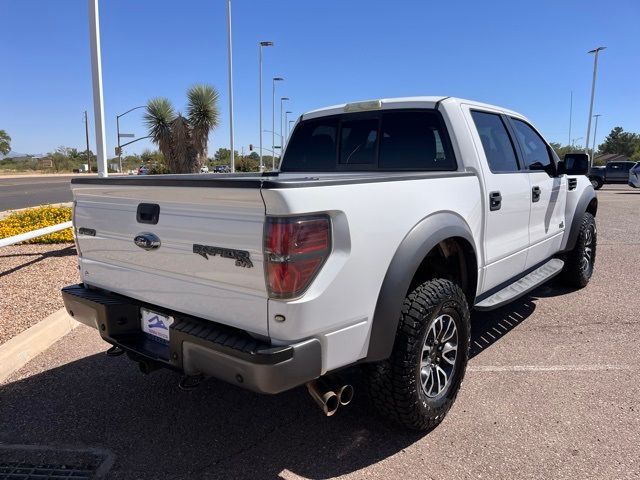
[[35, 218]]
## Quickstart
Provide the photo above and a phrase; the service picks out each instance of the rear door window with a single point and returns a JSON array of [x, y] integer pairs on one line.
[[496, 142]]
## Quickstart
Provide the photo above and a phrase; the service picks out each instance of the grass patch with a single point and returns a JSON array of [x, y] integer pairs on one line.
[[35, 218]]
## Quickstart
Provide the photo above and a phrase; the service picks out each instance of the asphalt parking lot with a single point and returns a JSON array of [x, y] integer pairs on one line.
[[551, 391]]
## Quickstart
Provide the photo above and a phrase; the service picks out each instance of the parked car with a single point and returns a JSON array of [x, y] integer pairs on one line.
[[143, 170], [634, 176], [388, 222], [221, 169], [204, 169], [613, 172]]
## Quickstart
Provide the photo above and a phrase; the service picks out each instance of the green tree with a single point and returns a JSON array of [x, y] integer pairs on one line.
[[222, 156], [184, 140], [620, 142], [248, 163], [562, 150], [5, 142]]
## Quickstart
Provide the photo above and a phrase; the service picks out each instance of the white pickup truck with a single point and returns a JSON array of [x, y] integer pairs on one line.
[[387, 222]]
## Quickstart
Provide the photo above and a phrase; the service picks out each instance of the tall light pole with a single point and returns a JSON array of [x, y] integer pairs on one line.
[[570, 115], [286, 124], [86, 133], [260, 45], [282, 99], [273, 122], [595, 132], [118, 133], [289, 131], [595, 52], [230, 52], [96, 77]]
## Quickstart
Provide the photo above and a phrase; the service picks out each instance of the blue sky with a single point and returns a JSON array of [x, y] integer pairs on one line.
[[527, 56]]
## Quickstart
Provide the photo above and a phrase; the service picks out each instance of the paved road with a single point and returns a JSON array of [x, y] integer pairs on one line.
[[22, 192], [551, 392]]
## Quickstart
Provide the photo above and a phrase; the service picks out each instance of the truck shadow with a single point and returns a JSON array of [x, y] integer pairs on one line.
[[155, 430], [35, 257]]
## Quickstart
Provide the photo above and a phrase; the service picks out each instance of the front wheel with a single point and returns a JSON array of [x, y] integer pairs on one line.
[[596, 183], [580, 262], [417, 385]]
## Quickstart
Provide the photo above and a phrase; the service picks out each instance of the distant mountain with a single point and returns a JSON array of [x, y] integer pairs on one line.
[[21, 156]]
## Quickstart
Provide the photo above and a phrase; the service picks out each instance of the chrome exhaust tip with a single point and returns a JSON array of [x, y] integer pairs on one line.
[[326, 398], [345, 394]]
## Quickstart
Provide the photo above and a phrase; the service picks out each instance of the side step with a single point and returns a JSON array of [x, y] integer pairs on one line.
[[523, 286]]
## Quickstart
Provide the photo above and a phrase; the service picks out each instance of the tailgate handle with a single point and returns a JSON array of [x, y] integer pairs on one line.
[[148, 213]]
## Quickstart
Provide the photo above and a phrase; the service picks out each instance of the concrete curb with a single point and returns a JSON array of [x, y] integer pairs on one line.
[[19, 350]]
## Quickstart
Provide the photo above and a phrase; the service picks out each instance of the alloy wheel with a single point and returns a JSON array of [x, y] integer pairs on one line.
[[439, 354], [587, 256]]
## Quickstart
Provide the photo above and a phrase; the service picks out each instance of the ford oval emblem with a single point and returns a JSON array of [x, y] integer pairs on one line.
[[148, 241]]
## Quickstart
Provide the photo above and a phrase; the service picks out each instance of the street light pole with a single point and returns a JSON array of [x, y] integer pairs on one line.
[[86, 133], [286, 124], [282, 99], [230, 49], [289, 129], [570, 115], [595, 131], [96, 77], [118, 132], [595, 51], [260, 45], [273, 121]]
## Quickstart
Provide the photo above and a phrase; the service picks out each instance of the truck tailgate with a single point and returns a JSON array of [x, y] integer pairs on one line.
[[212, 284]]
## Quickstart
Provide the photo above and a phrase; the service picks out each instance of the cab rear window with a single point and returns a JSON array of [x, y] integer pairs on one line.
[[409, 140]]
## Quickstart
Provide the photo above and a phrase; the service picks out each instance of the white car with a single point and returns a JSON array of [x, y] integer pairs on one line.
[[388, 223], [204, 169], [634, 176]]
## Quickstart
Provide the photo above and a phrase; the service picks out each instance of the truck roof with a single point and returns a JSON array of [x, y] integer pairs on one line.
[[400, 102]]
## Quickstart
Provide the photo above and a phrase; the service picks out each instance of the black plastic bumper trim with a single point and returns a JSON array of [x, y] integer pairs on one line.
[[196, 346]]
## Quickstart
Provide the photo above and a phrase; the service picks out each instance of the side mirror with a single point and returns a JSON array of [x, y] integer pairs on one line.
[[574, 164]]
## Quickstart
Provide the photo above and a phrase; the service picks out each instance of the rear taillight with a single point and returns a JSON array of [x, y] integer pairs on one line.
[[295, 248]]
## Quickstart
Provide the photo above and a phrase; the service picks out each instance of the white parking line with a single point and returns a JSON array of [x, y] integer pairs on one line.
[[547, 368]]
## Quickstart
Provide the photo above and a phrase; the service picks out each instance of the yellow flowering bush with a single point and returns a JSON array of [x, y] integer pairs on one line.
[[35, 218]]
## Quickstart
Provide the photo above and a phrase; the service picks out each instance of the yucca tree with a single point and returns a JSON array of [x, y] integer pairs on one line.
[[158, 118], [204, 116], [184, 140]]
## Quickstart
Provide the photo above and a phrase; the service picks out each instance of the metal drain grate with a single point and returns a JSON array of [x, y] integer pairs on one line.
[[25, 471]]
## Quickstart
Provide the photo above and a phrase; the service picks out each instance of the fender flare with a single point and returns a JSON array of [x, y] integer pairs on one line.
[[586, 197], [415, 246]]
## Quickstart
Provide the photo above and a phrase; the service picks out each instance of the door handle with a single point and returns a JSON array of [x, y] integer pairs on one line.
[[495, 201], [535, 194]]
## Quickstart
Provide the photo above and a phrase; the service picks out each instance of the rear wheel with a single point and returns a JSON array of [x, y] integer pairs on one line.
[[579, 262], [419, 382]]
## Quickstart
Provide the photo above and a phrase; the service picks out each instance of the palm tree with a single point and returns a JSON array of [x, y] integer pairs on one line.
[[5, 142], [184, 140]]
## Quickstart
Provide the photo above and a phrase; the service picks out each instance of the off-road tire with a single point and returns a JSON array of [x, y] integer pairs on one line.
[[573, 272], [394, 384]]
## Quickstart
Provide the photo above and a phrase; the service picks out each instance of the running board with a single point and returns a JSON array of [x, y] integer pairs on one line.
[[523, 286]]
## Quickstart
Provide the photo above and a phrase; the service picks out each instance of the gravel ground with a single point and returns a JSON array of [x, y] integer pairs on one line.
[[31, 277]]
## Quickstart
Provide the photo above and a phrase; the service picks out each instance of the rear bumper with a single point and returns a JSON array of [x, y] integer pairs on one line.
[[196, 346]]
